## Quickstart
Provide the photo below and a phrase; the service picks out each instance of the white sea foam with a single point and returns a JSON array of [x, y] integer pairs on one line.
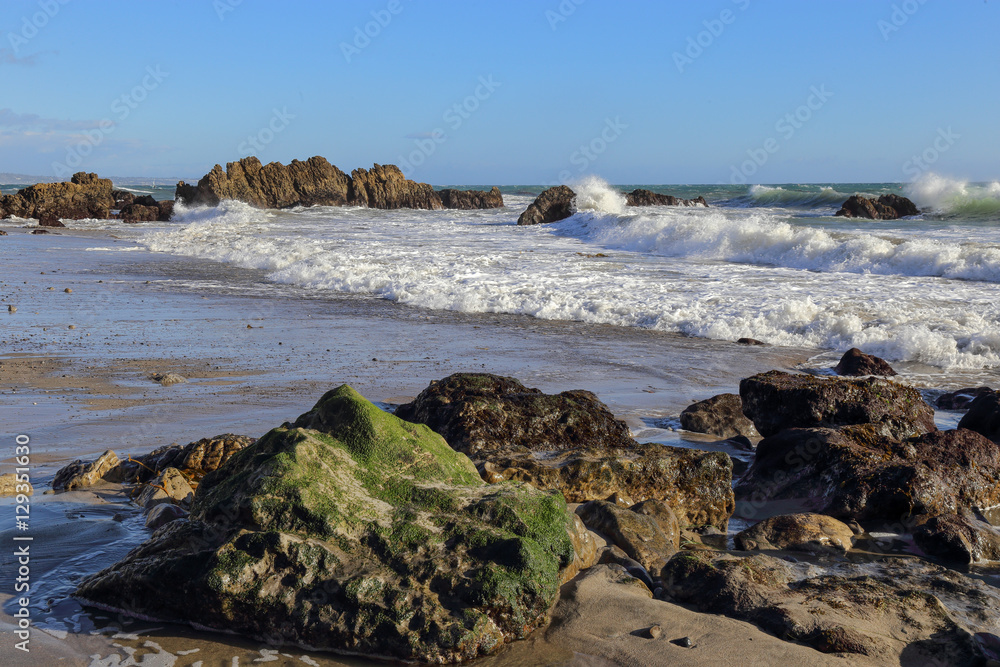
[[594, 194], [712, 272], [941, 195]]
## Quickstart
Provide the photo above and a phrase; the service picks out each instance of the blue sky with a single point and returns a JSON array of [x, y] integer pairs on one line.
[[636, 92]]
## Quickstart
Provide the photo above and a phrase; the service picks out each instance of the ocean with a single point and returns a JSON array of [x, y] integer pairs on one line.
[[769, 262]]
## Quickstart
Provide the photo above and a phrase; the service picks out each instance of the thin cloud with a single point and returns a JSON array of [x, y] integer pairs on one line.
[[32, 121], [9, 57]]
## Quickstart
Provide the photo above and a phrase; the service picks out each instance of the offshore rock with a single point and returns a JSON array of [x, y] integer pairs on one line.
[[984, 416], [810, 532], [886, 207], [570, 442], [857, 472], [552, 205], [901, 611], [471, 199], [352, 531], [85, 196], [139, 213], [857, 363], [641, 197], [720, 415], [776, 401], [314, 182]]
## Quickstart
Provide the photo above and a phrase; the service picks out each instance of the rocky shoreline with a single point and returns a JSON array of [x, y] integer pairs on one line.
[[350, 519]]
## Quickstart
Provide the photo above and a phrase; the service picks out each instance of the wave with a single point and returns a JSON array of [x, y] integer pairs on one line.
[[761, 238], [797, 196], [952, 198], [594, 194]]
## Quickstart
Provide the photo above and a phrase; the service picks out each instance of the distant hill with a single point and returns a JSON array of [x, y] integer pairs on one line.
[[7, 178]]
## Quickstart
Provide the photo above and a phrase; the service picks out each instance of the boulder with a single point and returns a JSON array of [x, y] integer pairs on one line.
[[641, 197], [984, 416], [352, 531], [552, 205], [961, 398], [886, 207], [857, 472], [139, 213], [170, 486], [166, 208], [665, 518], [586, 546], [49, 220], [775, 401], [901, 611], [9, 486], [471, 199], [164, 513], [638, 535], [122, 198], [816, 533], [958, 538], [81, 474], [857, 363], [720, 415], [570, 442], [750, 341], [85, 196], [194, 460]]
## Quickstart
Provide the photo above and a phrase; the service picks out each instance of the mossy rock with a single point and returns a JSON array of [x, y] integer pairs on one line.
[[354, 531]]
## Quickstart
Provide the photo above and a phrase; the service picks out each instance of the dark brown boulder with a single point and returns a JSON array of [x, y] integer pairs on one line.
[[886, 207], [984, 416], [570, 442], [122, 198], [750, 341], [857, 363], [552, 205], [49, 220], [775, 401], [962, 398], [720, 415], [641, 197], [166, 209], [139, 213], [471, 199], [958, 538], [856, 472]]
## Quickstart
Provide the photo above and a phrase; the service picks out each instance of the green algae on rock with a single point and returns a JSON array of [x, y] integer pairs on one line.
[[352, 531]]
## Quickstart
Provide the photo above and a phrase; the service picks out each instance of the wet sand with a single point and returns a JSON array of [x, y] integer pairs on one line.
[[75, 377]]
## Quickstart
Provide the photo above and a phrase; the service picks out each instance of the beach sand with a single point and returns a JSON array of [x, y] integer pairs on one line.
[[250, 364]]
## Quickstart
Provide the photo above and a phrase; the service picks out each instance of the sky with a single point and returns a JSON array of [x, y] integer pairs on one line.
[[512, 92]]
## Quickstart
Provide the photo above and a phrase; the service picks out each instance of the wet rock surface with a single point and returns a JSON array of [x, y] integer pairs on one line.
[[961, 398], [81, 474], [85, 196], [640, 197], [572, 443], [886, 207], [471, 199], [777, 400], [983, 416], [857, 363], [552, 205], [959, 538], [797, 532], [353, 531], [720, 415]]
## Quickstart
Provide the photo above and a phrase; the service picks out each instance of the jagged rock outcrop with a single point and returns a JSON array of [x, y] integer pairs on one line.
[[314, 182], [570, 442], [85, 196], [640, 197], [384, 186], [720, 415], [471, 199], [552, 205], [194, 460], [353, 531], [857, 472], [856, 363], [776, 400], [886, 207]]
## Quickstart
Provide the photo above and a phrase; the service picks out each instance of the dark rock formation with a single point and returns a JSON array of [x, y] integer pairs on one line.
[[81, 474], [750, 341], [816, 533], [856, 472], [352, 531], [314, 182], [777, 400], [85, 196], [552, 205], [166, 210], [638, 535], [886, 207], [958, 538], [384, 186], [49, 220], [890, 607], [471, 199], [984, 416], [641, 197], [570, 442], [962, 398], [122, 198], [194, 460], [720, 415], [139, 213], [857, 363]]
